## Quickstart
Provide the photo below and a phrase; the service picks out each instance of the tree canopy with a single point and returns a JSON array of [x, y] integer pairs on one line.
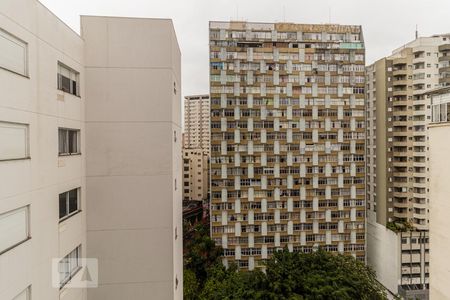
[[319, 275]]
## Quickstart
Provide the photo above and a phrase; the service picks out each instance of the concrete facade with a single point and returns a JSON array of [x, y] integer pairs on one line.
[[439, 132], [37, 178], [133, 138], [287, 139], [97, 116]]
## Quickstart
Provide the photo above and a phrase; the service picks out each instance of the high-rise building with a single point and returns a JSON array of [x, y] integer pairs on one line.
[[42, 152], [398, 112], [439, 132], [133, 163], [196, 122], [287, 139], [195, 175], [90, 156]]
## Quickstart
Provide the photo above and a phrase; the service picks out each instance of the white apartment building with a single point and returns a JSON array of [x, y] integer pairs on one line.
[[74, 183], [397, 115], [42, 151], [195, 174], [196, 122], [133, 162]]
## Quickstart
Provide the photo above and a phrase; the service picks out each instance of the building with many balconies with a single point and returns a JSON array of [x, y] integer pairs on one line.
[[398, 112], [287, 139]]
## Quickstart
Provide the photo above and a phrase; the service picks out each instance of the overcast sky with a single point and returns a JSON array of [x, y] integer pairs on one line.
[[387, 24]]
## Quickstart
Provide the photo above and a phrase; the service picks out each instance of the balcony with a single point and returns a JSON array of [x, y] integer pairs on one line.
[[444, 48], [444, 58]]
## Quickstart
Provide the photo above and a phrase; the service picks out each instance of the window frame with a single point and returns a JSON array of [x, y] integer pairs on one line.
[[27, 291], [67, 142], [27, 227], [68, 213], [27, 139], [71, 71], [15, 39], [72, 270]]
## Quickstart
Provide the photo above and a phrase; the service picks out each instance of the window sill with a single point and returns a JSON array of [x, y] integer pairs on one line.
[[69, 216], [15, 159], [14, 246], [19, 74], [67, 93], [68, 154]]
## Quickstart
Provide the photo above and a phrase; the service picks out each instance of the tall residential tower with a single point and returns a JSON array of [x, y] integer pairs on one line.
[[196, 122], [398, 112], [287, 139]]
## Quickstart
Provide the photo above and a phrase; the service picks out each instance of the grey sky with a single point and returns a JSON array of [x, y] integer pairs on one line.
[[387, 24]]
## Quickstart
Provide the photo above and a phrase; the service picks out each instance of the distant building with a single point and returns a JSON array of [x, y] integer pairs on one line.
[[196, 122], [195, 174], [398, 112], [287, 139]]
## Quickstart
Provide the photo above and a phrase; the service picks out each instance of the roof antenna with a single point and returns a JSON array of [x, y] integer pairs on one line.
[[417, 32]]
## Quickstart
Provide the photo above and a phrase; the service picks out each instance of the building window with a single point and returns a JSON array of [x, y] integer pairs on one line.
[[68, 80], [69, 204], [14, 228], [13, 54], [14, 141], [69, 141], [24, 295], [69, 266]]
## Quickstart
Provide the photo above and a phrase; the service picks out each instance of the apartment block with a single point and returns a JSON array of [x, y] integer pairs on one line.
[[287, 139], [439, 132], [398, 112], [195, 174], [42, 153], [133, 163], [90, 156], [196, 122]]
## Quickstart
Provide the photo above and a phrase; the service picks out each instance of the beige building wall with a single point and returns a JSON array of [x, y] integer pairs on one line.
[[439, 208], [134, 177], [196, 122], [35, 179], [195, 174], [439, 132]]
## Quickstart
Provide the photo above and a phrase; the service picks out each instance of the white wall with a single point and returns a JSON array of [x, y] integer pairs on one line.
[[383, 253], [37, 181], [439, 211], [133, 160]]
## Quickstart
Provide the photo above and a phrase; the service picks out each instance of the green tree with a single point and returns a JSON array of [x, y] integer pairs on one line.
[[321, 275], [200, 252], [296, 276], [230, 284], [190, 285]]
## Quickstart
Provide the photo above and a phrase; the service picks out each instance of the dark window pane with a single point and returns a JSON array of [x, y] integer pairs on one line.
[[62, 205], [73, 141], [62, 141], [73, 201], [74, 88], [65, 84]]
